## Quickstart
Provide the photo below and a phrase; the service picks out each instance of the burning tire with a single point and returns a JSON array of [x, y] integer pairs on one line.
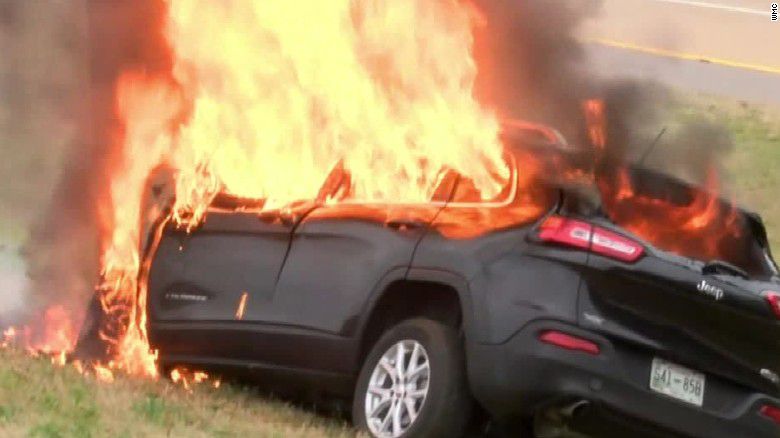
[[413, 383]]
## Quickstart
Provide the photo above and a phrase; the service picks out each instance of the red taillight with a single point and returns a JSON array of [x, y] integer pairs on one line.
[[773, 298], [569, 342], [771, 412], [582, 235]]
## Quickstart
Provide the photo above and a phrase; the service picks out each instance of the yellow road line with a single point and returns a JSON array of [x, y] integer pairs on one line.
[[684, 56]]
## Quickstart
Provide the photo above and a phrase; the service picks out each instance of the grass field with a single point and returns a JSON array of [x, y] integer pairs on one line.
[[38, 399]]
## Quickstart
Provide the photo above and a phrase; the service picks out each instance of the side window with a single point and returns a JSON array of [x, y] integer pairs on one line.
[[450, 186]]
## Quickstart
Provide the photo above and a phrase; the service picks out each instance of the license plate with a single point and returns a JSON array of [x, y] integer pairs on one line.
[[677, 381]]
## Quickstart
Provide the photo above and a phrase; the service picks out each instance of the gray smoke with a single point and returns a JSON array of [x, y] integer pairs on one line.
[[43, 76], [533, 67], [59, 130]]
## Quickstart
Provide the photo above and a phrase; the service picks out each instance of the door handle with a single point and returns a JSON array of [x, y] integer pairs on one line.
[[288, 220], [267, 217], [405, 224], [284, 219]]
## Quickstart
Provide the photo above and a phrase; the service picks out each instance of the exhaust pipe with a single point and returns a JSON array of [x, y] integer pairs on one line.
[[573, 410], [554, 422]]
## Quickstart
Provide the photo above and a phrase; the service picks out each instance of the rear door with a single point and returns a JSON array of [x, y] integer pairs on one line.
[[233, 258], [340, 254]]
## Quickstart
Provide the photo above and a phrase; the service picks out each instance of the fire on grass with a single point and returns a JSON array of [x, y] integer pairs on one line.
[[59, 343]]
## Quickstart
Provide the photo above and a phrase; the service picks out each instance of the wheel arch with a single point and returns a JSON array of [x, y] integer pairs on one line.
[[446, 299]]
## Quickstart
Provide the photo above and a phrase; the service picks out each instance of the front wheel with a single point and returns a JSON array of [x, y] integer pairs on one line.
[[413, 383]]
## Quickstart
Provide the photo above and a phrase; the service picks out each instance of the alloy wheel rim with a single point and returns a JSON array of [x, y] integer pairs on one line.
[[397, 389]]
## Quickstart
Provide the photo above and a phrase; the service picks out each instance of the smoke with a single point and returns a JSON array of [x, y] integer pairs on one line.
[[41, 77], [61, 124], [533, 66], [536, 68]]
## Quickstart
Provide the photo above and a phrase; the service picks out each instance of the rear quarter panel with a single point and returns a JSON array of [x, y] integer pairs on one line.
[[510, 281], [655, 305]]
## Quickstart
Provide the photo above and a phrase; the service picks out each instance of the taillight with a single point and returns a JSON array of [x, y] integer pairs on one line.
[[773, 298], [569, 342], [582, 235], [771, 412]]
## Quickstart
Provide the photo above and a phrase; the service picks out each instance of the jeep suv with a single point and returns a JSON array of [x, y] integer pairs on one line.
[[533, 307]]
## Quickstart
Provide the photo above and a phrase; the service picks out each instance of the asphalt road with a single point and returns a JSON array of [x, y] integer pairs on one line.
[[726, 47]]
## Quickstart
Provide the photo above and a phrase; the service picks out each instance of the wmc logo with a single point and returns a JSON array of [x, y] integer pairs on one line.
[[774, 11], [710, 290]]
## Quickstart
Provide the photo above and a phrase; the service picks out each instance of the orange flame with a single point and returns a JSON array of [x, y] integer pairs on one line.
[[596, 121], [9, 335], [267, 97], [187, 378], [264, 99], [704, 228], [241, 306], [294, 93], [103, 374], [58, 333]]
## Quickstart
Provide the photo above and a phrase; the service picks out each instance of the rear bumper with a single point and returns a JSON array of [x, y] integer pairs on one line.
[[523, 376]]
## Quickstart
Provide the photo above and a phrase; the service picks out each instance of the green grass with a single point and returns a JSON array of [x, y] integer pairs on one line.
[[38, 399]]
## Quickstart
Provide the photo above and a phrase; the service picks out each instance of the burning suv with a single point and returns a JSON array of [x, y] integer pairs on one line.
[[549, 306]]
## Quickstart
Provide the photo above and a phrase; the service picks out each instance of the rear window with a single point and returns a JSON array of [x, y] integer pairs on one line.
[[686, 220]]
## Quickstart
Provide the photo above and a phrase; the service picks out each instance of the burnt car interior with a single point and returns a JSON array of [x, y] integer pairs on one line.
[[745, 254]]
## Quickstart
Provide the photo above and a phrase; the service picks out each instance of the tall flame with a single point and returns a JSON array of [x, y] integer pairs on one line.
[[281, 91], [144, 147], [267, 97]]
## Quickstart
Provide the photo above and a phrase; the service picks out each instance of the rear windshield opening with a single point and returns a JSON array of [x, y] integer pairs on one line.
[[686, 220]]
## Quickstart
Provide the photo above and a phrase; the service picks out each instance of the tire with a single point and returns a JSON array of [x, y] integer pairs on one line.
[[444, 411]]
